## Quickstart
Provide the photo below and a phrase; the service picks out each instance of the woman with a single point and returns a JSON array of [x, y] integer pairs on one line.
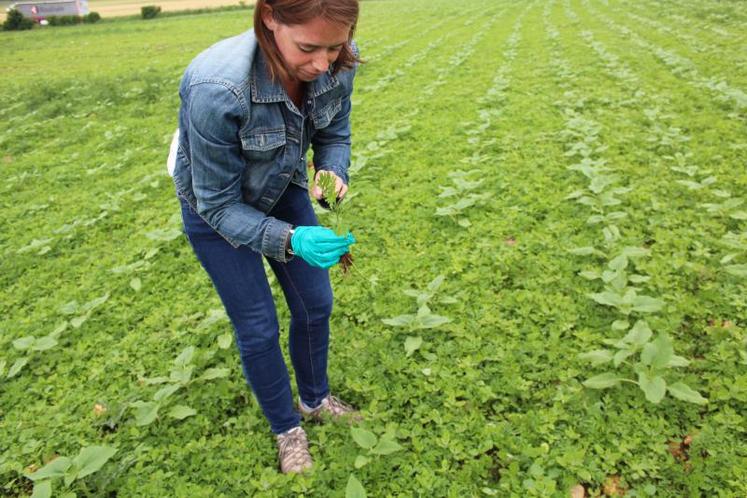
[[251, 106]]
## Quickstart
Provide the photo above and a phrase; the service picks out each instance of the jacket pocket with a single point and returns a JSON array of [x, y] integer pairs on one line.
[[263, 145], [322, 117]]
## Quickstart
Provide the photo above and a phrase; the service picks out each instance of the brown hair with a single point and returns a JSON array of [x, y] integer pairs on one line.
[[291, 12]]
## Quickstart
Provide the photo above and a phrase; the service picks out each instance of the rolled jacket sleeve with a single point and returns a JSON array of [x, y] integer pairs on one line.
[[217, 168]]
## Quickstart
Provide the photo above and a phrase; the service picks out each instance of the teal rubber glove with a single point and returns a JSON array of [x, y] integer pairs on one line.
[[320, 246]]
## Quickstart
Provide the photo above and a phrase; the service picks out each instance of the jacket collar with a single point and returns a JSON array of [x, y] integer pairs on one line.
[[265, 90]]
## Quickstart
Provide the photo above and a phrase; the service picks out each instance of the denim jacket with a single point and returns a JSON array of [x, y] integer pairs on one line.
[[241, 138]]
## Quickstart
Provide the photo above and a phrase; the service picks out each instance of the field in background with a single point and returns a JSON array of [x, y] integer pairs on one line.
[[531, 182], [117, 8]]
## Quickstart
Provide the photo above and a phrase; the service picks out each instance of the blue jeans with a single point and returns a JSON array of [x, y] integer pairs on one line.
[[239, 277]]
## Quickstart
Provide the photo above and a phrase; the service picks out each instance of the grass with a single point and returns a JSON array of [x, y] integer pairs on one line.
[[491, 403]]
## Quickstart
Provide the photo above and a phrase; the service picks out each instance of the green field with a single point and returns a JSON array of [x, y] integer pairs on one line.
[[573, 171]]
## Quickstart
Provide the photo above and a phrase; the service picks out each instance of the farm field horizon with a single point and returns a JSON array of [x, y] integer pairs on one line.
[[550, 275]]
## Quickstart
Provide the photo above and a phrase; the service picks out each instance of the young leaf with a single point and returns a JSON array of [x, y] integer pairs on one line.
[[145, 412], [165, 392], [639, 334], [225, 340], [646, 304], [360, 461], [185, 356], [386, 446], [214, 373], [654, 387], [432, 321], [24, 343], [91, 459], [44, 343], [55, 468], [621, 356], [354, 489], [181, 412], [596, 357], [42, 489], [603, 381], [16, 367], [399, 321], [412, 344], [683, 392], [363, 438], [657, 354]]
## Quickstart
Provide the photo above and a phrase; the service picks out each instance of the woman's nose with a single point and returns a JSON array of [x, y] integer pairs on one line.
[[321, 62]]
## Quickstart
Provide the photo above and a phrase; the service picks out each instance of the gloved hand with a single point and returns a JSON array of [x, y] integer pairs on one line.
[[320, 246]]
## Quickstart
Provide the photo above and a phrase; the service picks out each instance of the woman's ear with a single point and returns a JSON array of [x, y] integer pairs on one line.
[[267, 18]]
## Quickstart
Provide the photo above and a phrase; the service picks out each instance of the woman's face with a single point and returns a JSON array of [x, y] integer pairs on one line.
[[308, 49]]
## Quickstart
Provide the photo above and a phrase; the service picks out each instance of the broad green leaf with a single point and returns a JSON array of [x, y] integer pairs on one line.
[[620, 325], [69, 308], [354, 489], [215, 373], [399, 321], [386, 447], [639, 334], [654, 387], [597, 357], [736, 270], [635, 252], [603, 381], [360, 461], [95, 303], [639, 279], [185, 356], [145, 412], [448, 300], [42, 489], [436, 283], [182, 375], [646, 304], [621, 356], [607, 298], [16, 367], [79, 320], [55, 468], [44, 343], [432, 321], [412, 344], [365, 439], [590, 274], [618, 263], [678, 361], [92, 458], [739, 215], [658, 353], [136, 284], [181, 412], [225, 340], [165, 392], [24, 343], [683, 392]]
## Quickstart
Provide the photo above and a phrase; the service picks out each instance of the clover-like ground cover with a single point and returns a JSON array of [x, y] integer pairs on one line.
[[549, 197]]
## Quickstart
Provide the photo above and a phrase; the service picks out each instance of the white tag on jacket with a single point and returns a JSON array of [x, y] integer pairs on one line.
[[171, 161]]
